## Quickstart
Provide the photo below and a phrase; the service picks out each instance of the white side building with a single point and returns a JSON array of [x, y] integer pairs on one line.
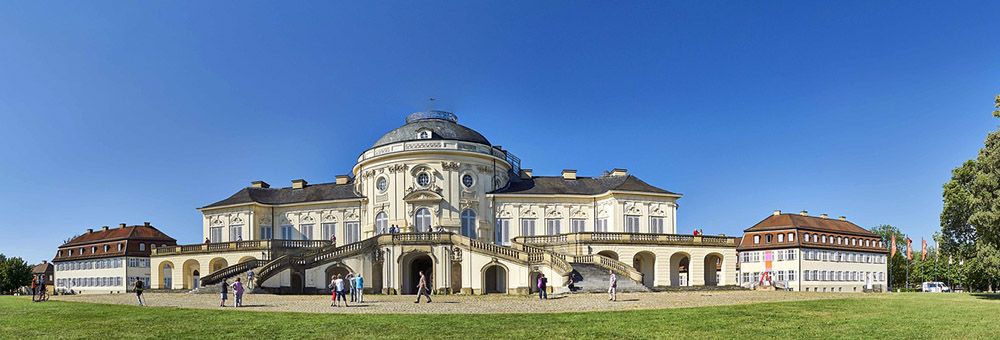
[[812, 253], [107, 260]]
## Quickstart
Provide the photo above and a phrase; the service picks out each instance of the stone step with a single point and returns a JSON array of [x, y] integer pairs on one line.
[[590, 278]]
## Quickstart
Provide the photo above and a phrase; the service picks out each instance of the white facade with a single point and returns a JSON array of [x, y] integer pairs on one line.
[[105, 275]]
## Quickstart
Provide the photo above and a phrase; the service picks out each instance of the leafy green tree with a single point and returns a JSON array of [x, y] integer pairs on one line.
[[984, 270], [14, 274]]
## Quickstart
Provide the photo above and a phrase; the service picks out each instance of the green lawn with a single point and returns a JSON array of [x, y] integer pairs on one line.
[[912, 315]]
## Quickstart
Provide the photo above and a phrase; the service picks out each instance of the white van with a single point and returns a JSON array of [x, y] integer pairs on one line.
[[934, 287]]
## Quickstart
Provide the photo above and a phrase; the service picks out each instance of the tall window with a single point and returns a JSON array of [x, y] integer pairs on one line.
[[381, 223], [656, 225], [328, 229], [469, 223], [353, 231], [578, 225], [552, 226], [502, 236], [527, 227], [422, 220], [791, 237], [781, 237], [286, 232], [235, 232], [307, 231], [266, 233], [631, 224], [215, 234], [756, 239], [601, 226]]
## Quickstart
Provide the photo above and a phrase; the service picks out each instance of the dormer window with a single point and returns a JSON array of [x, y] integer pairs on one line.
[[424, 134]]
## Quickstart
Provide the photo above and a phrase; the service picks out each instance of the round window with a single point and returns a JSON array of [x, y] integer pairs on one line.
[[381, 184], [423, 179], [467, 180]]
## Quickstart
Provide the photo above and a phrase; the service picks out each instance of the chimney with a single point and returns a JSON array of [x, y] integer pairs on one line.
[[121, 225], [804, 213], [298, 183], [342, 179], [104, 228], [90, 230], [619, 172], [823, 216], [776, 213], [259, 184], [842, 218], [525, 173], [146, 224], [569, 174]]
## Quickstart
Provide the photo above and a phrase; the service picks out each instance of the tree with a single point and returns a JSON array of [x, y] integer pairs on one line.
[[14, 274]]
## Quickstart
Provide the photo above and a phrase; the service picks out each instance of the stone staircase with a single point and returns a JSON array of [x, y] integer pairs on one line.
[[591, 278]]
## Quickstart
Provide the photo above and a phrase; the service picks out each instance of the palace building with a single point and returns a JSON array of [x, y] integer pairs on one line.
[[812, 253], [467, 215], [108, 260]]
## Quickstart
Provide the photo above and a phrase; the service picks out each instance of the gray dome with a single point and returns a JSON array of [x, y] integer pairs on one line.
[[442, 125]]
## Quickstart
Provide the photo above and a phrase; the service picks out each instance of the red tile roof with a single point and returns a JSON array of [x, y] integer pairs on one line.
[[135, 232]]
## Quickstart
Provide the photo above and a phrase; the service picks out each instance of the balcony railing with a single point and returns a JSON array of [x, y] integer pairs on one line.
[[627, 238], [239, 246]]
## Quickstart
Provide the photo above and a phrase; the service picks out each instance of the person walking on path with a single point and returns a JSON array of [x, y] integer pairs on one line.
[[138, 292], [422, 288], [542, 285], [250, 279], [350, 286], [238, 292], [333, 291], [224, 293], [613, 286], [359, 288], [34, 288]]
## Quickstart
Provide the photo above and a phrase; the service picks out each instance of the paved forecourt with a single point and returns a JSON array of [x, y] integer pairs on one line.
[[458, 304]]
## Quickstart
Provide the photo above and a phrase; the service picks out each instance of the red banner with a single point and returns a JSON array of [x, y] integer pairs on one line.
[[923, 249], [909, 249], [893, 246]]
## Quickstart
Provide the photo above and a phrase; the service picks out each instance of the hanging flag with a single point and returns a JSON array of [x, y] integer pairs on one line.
[[909, 249], [923, 249], [893, 246]]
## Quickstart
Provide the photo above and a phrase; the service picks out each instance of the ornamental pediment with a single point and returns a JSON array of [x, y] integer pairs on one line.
[[423, 196]]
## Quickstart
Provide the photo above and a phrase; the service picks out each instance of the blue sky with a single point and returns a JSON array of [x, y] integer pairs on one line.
[[111, 113]]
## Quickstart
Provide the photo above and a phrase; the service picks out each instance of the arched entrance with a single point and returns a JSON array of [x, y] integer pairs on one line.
[[192, 276], [533, 282], [297, 283], [217, 264], [166, 275], [645, 263], [494, 279], [713, 269], [412, 266], [608, 253], [246, 259], [680, 262], [335, 270], [456, 277]]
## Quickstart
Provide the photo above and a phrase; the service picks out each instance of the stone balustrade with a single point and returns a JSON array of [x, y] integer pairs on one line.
[[627, 238], [239, 246]]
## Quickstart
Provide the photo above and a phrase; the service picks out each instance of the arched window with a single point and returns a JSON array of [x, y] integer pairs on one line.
[[791, 237], [422, 220], [469, 223], [381, 223], [781, 237]]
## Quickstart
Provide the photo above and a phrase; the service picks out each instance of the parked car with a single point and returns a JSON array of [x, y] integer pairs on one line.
[[935, 287]]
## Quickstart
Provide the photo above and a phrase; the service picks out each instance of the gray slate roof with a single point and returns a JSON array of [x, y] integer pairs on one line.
[[557, 185], [311, 193], [441, 127]]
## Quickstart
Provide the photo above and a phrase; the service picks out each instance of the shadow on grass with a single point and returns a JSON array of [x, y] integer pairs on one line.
[[987, 296]]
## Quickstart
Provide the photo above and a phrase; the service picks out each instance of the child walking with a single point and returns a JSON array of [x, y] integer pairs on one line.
[[224, 293]]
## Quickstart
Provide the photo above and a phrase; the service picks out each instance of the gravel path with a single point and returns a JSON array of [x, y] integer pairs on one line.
[[456, 304]]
